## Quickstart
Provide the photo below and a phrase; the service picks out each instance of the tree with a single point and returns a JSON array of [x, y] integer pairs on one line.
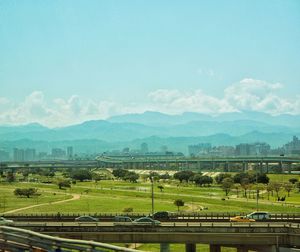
[[165, 176], [202, 180], [219, 178], [131, 176], [119, 173], [277, 186], [263, 178], [242, 175], [293, 180], [64, 183], [227, 184], [179, 203], [298, 186], [245, 185], [160, 187], [26, 192], [270, 188], [237, 187], [96, 176], [10, 177], [288, 187], [81, 175], [184, 175]]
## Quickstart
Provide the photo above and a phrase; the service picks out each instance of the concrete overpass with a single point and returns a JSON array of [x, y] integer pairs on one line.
[[266, 237], [168, 162], [284, 163]]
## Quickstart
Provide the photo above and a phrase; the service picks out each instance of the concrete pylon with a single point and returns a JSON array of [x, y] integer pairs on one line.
[[190, 247], [164, 247], [214, 248]]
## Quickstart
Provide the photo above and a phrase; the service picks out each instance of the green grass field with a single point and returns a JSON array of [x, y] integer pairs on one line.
[[114, 196]]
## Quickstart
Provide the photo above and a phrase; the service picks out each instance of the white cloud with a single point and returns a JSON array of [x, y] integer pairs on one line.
[[257, 95], [248, 94]]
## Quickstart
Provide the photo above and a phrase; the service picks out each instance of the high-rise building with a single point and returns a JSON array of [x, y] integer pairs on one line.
[[18, 155], [58, 153], [144, 148], [292, 147], [70, 152], [199, 149], [29, 154]]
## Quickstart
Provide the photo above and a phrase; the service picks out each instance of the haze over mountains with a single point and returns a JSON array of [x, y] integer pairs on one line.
[[157, 129]]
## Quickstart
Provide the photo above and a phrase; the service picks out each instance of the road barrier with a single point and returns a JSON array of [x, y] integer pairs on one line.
[[173, 217], [17, 239]]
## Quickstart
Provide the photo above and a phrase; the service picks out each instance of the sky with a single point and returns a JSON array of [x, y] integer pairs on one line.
[[64, 62]]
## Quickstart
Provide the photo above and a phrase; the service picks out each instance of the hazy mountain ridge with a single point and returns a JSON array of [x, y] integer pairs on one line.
[[157, 118], [175, 131]]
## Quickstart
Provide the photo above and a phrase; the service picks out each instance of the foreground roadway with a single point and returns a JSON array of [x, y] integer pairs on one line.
[[259, 236]]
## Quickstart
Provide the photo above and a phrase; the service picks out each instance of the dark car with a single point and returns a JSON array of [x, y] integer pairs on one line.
[[162, 215], [86, 218], [122, 220], [146, 221]]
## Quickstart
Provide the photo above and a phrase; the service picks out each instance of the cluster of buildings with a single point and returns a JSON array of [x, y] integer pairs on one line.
[[245, 149], [29, 154], [201, 149], [142, 152]]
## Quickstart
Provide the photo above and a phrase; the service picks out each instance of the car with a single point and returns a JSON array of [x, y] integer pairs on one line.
[[146, 221], [86, 218], [122, 220], [162, 215], [6, 222], [259, 216], [255, 216], [241, 219]]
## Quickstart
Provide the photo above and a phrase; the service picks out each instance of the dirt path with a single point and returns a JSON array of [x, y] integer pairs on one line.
[[74, 197]]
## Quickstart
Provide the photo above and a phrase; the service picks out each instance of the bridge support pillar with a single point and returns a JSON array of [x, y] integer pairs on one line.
[[164, 247], [214, 248], [190, 247], [226, 167], [280, 166], [267, 167], [261, 167], [289, 168], [242, 249]]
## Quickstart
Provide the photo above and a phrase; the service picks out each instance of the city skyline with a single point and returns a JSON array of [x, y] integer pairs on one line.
[[64, 63]]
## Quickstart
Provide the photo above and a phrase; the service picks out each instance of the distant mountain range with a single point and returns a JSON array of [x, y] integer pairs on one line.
[[156, 129]]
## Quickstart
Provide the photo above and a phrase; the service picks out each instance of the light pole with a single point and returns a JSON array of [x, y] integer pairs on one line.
[[257, 194], [152, 195]]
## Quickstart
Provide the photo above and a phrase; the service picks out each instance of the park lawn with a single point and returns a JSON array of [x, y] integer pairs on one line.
[[115, 195], [111, 200], [8, 201], [283, 177], [105, 204]]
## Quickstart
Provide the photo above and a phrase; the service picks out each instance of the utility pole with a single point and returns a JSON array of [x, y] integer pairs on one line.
[[257, 194], [152, 195]]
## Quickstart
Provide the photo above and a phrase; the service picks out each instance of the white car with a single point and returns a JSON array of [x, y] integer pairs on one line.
[[6, 222], [259, 216]]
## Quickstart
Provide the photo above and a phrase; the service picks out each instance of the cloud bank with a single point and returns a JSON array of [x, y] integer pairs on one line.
[[248, 94]]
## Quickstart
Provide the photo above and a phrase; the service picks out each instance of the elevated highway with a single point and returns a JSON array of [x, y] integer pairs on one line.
[[244, 236], [283, 162]]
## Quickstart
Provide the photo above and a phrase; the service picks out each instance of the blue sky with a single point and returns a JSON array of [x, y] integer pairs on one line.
[[63, 62]]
